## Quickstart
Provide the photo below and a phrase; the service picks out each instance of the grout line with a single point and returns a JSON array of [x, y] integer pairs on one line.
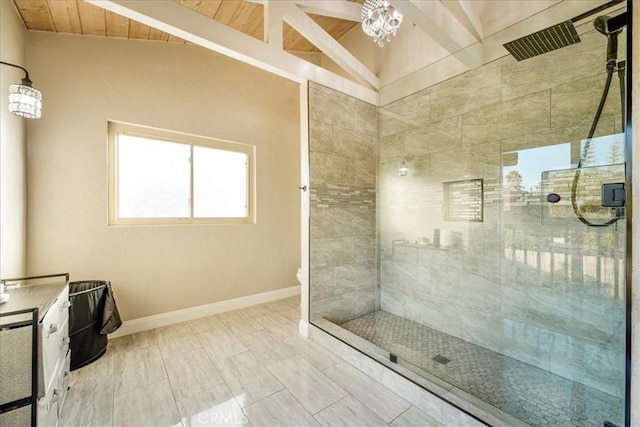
[[130, 345], [331, 404], [401, 414], [376, 381], [175, 401]]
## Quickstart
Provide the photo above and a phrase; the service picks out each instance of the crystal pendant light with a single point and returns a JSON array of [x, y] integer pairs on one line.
[[380, 20], [24, 99]]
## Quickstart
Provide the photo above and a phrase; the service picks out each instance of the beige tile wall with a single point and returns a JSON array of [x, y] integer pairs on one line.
[[496, 289], [343, 146]]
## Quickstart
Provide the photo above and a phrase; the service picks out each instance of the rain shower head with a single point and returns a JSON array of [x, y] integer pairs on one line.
[[543, 41]]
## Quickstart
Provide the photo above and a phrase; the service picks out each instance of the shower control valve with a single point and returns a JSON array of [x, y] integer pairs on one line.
[[613, 195]]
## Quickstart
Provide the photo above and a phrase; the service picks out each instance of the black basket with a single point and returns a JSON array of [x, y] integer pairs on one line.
[[85, 317]]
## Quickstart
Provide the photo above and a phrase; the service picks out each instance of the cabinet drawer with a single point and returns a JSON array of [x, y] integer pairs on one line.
[[63, 379], [48, 409], [55, 338], [50, 405]]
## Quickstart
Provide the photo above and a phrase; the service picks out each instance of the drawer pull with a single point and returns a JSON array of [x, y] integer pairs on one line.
[[56, 395], [53, 328]]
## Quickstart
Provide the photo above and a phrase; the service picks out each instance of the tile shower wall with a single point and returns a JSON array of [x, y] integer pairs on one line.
[[343, 145], [529, 281]]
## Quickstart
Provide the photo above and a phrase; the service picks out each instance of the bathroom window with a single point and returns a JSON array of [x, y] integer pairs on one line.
[[162, 177]]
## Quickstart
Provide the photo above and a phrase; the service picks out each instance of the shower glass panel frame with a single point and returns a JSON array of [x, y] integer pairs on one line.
[[444, 242]]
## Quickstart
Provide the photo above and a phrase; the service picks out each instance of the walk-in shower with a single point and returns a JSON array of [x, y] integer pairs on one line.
[[450, 229]]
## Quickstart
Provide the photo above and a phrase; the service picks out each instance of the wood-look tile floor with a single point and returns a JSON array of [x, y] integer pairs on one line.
[[241, 368]]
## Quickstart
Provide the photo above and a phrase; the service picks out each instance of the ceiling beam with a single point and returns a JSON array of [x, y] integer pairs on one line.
[[341, 9], [466, 15], [273, 30], [436, 21], [200, 30], [308, 28]]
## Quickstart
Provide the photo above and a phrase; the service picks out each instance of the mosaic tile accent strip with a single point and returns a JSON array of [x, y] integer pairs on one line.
[[463, 200], [335, 196], [534, 395]]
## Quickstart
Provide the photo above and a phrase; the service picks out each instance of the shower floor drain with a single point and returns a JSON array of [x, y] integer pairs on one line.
[[441, 359]]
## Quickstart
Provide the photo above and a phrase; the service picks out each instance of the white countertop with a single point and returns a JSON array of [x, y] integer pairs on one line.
[[30, 296]]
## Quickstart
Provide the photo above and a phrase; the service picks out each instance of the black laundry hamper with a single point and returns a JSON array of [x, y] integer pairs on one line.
[[87, 331]]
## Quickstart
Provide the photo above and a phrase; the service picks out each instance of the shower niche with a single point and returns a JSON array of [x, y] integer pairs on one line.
[[463, 200]]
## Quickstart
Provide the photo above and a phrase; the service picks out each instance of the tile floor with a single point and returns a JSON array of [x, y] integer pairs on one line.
[[535, 396], [245, 367]]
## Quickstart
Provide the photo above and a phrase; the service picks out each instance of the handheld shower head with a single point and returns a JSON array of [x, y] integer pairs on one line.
[[610, 27], [600, 24]]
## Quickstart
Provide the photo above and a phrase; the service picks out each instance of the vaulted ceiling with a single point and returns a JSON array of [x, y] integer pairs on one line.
[[438, 38], [79, 17]]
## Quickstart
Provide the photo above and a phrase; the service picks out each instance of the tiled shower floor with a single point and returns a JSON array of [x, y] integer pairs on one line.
[[535, 396]]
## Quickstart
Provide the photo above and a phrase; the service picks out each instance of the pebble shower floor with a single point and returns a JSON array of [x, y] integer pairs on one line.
[[536, 396]]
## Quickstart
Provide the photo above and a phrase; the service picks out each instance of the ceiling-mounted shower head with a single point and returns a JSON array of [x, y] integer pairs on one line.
[[543, 41]]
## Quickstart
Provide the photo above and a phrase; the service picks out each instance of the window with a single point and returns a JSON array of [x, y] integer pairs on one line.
[[163, 177]]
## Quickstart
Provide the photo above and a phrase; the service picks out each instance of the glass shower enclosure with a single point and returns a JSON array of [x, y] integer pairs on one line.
[[460, 232]]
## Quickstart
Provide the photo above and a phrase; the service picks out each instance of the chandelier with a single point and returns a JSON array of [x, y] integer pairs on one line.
[[380, 20]]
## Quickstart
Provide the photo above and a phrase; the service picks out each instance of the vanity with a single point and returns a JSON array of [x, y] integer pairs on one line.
[[34, 351]]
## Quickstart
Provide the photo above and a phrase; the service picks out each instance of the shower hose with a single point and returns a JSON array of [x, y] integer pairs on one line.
[[611, 67]]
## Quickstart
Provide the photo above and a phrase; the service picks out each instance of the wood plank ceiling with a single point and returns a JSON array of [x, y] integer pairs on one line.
[[78, 17]]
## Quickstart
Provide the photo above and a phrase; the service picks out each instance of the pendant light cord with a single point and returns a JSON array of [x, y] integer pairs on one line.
[[26, 73]]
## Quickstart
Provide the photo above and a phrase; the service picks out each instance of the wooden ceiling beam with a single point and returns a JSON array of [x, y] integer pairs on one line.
[[273, 28], [182, 22], [308, 28]]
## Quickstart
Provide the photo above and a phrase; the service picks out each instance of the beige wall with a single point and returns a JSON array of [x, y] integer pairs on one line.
[[13, 140], [87, 81]]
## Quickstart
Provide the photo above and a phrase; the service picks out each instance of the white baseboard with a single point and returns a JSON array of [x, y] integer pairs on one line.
[[165, 319]]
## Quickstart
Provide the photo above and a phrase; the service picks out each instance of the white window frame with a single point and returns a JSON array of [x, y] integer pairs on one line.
[[116, 128]]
